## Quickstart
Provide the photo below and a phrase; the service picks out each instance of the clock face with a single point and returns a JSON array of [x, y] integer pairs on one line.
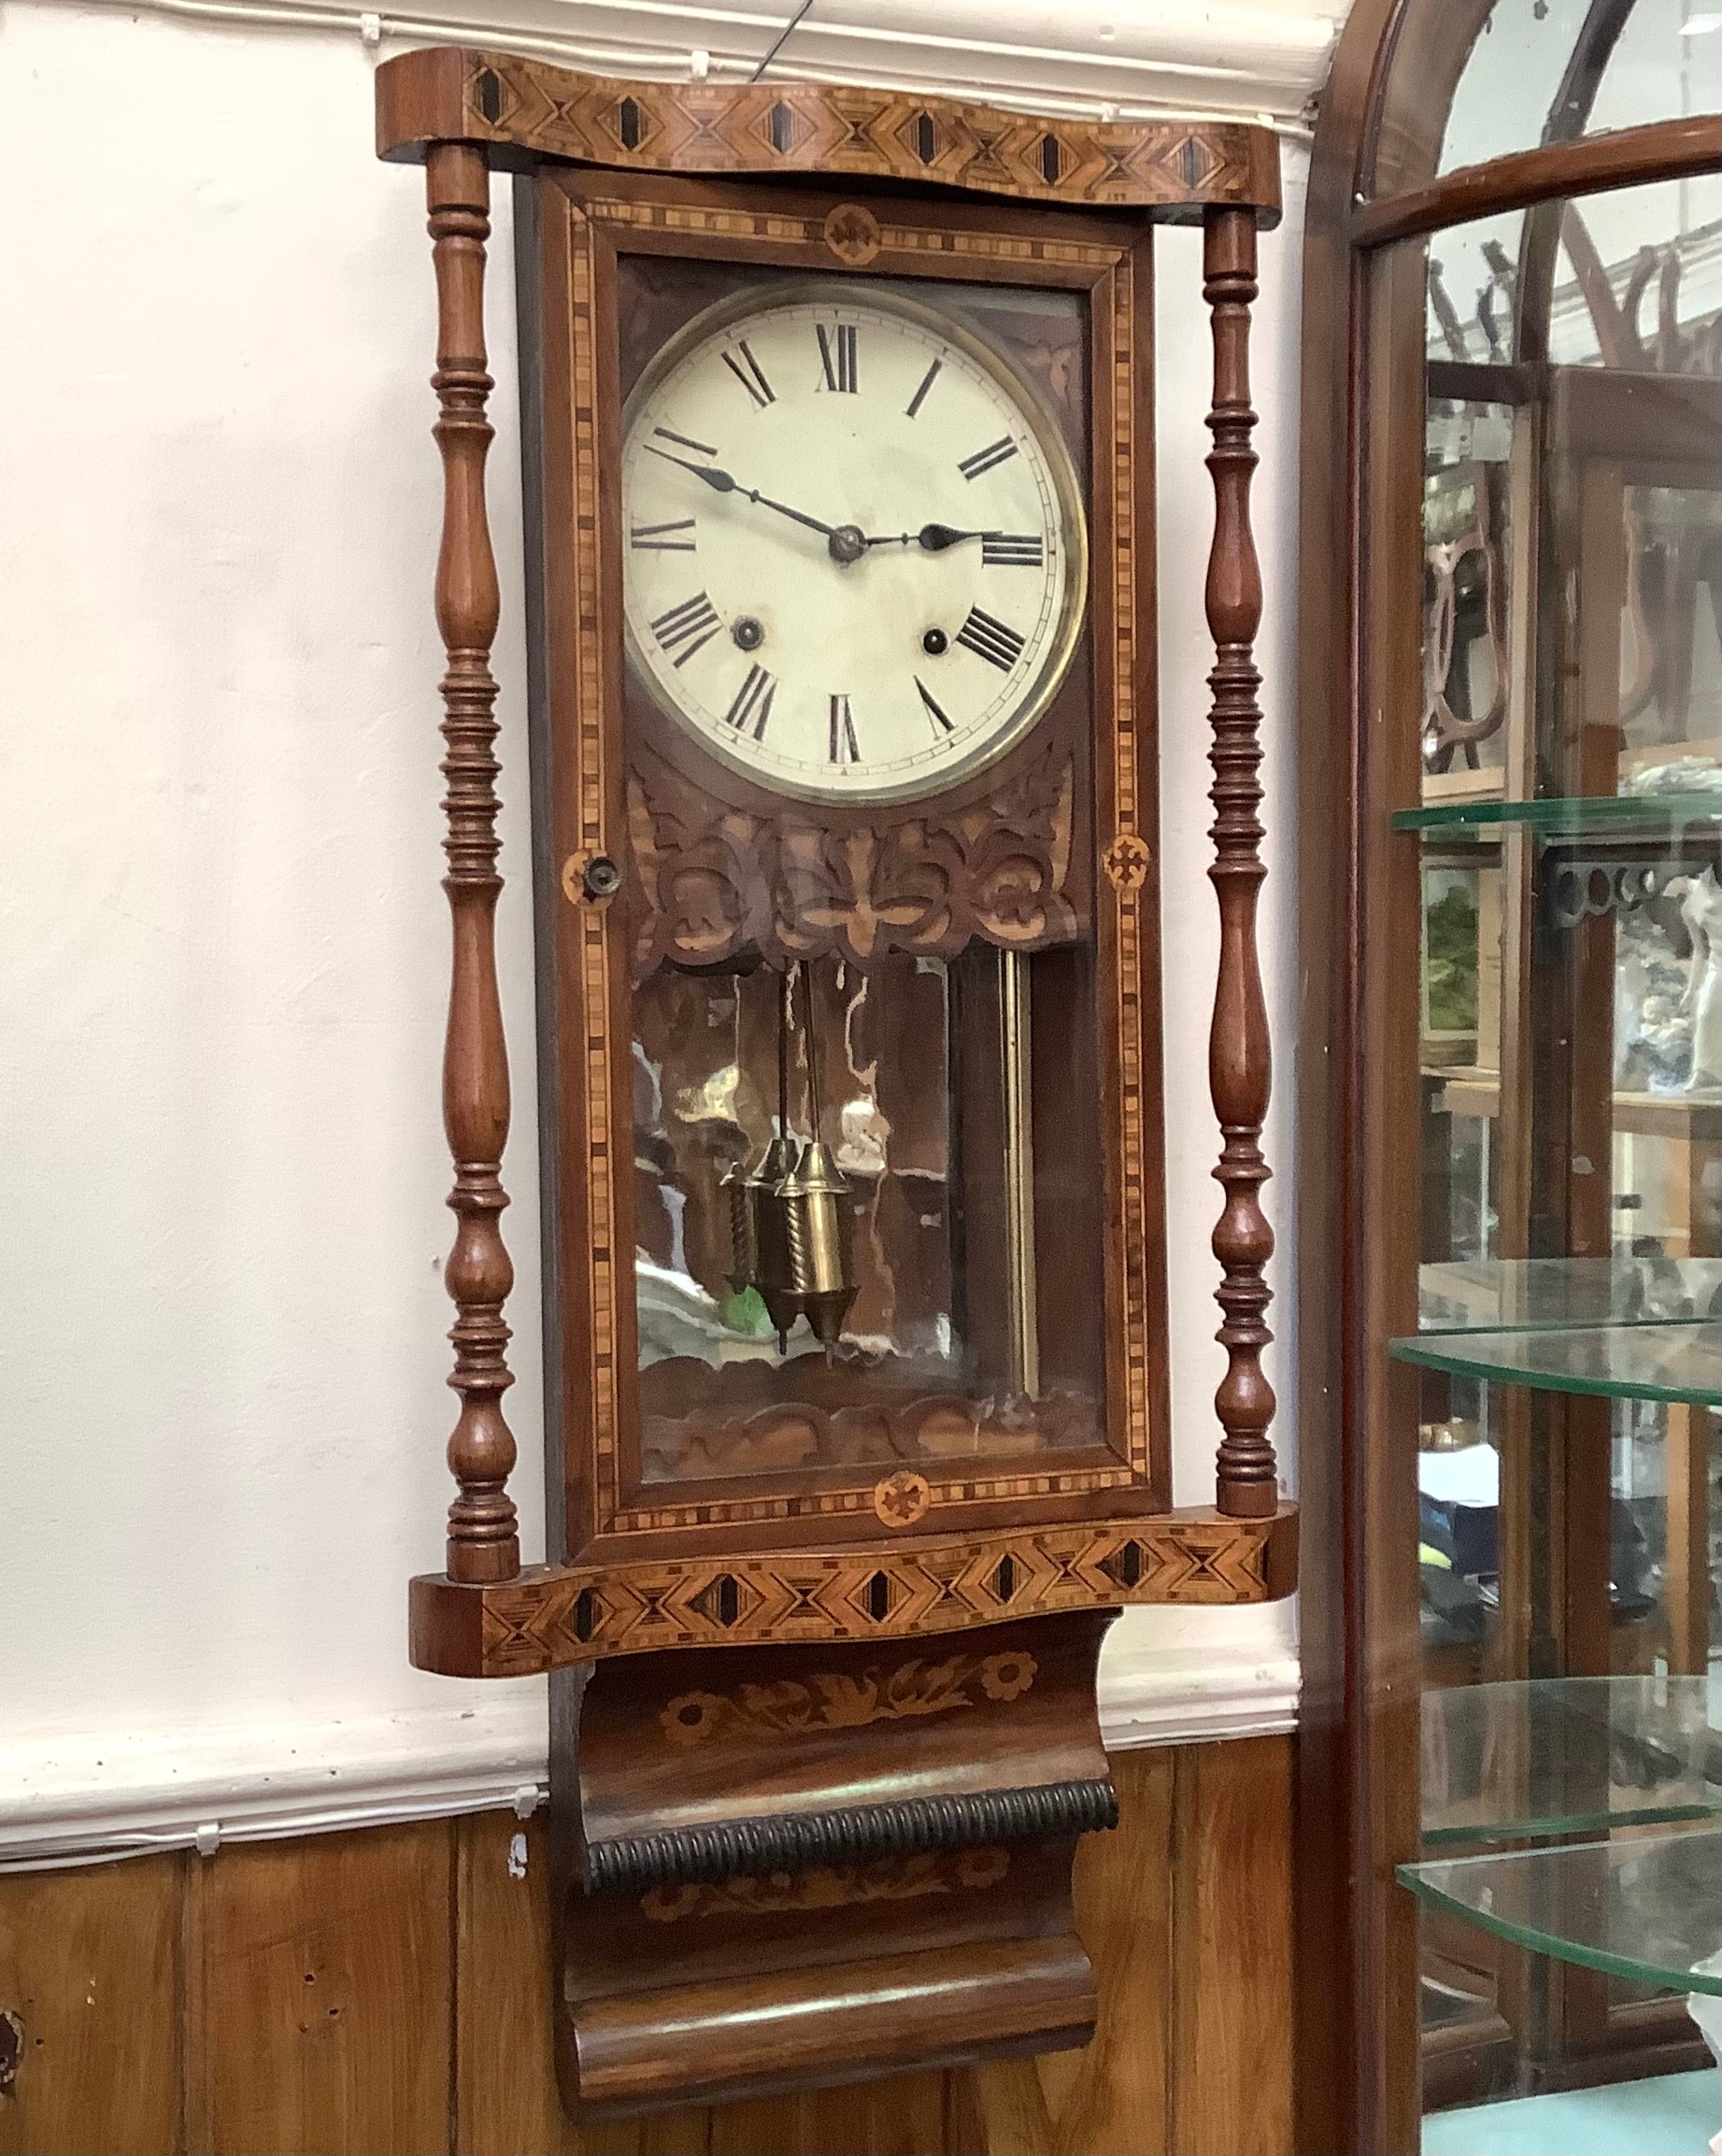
[[854, 550]]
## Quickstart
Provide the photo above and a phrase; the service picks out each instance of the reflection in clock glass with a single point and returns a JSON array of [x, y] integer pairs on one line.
[[948, 1340]]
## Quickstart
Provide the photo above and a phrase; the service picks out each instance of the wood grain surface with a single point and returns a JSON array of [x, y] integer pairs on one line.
[[327, 1973], [89, 2008], [433, 1949], [1232, 1846], [520, 109], [484, 1540], [557, 1616]]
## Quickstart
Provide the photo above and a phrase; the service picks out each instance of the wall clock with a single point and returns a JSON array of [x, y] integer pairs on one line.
[[838, 413]]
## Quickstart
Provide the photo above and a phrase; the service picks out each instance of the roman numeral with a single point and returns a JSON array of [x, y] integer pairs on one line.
[[671, 538], [941, 724], [844, 749], [750, 374], [753, 701], [1012, 549], [919, 397], [838, 356], [984, 460], [685, 441], [686, 629], [993, 641]]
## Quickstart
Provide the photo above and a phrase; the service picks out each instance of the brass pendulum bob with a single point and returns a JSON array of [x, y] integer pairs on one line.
[[814, 1201], [814, 1197], [772, 1272]]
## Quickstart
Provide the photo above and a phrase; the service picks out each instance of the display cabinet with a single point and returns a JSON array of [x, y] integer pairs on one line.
[[1511, 1235]]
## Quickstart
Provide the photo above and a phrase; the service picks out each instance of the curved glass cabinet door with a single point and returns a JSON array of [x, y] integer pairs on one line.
[[1510, 1208], [1566, 824]]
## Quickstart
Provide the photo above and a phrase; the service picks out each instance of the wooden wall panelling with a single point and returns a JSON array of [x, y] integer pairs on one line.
[[504, 2080], [504, 2070], [1113, 2097], [90, 2009], [325, 1968], [389, 1990], [903, 2115], [1233, 1949]]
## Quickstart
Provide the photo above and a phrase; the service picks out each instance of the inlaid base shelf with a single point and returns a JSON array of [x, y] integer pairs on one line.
[[555, 1616]]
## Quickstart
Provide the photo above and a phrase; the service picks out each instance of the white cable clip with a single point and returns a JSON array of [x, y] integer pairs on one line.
[[370, 30], [699, 64], [207, 1838], [526, 1800]]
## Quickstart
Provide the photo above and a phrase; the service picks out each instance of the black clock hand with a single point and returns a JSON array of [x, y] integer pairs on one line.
[[724, 483], [934, 539], [930, 539]]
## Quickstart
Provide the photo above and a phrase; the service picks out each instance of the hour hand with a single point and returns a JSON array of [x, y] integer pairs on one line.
[[934, 539]]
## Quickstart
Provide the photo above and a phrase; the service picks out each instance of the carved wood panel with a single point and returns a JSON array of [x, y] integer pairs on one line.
[[714, 879]]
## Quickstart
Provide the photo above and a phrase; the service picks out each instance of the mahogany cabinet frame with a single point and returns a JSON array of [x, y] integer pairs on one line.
[[576, 228], [1374, 183], [463, 112]]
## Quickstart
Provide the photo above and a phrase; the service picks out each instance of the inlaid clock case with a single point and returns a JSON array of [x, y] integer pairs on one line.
[[823, 1622], [717, 873]]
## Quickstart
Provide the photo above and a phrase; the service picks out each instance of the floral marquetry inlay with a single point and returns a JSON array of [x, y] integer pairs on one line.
[[762, 1713]]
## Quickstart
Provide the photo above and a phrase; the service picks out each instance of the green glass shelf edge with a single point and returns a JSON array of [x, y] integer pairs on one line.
[[1522, 1759], [1567, 816], [1596, 1822], [1437, 1881], [1643, 1361], [1551, 1295]]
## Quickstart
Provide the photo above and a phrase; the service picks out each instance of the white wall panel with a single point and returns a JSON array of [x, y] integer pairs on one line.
[[223, 944]]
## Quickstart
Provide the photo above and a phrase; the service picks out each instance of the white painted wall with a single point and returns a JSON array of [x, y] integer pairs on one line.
[[223, 948]]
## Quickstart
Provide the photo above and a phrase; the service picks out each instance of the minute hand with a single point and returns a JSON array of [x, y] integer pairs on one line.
[[725, 483]]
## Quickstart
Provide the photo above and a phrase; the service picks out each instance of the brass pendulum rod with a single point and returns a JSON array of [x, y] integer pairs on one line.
[[1015, 1052], [786, 1033], [813, 1059]]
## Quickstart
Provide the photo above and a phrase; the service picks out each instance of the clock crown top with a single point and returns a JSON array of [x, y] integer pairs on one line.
[[519, 110]]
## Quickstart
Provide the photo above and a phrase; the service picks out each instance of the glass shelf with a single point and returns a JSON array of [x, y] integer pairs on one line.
[[1679, 1362], [1535, 1294], [1644, 1907], [1650, 816], [1504, 1762]]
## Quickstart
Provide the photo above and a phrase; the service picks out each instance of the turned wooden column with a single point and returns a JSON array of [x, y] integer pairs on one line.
[[1239, 1064], [484, 1542]]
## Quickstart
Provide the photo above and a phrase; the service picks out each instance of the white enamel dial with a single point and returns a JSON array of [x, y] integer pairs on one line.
[[854, 556]]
